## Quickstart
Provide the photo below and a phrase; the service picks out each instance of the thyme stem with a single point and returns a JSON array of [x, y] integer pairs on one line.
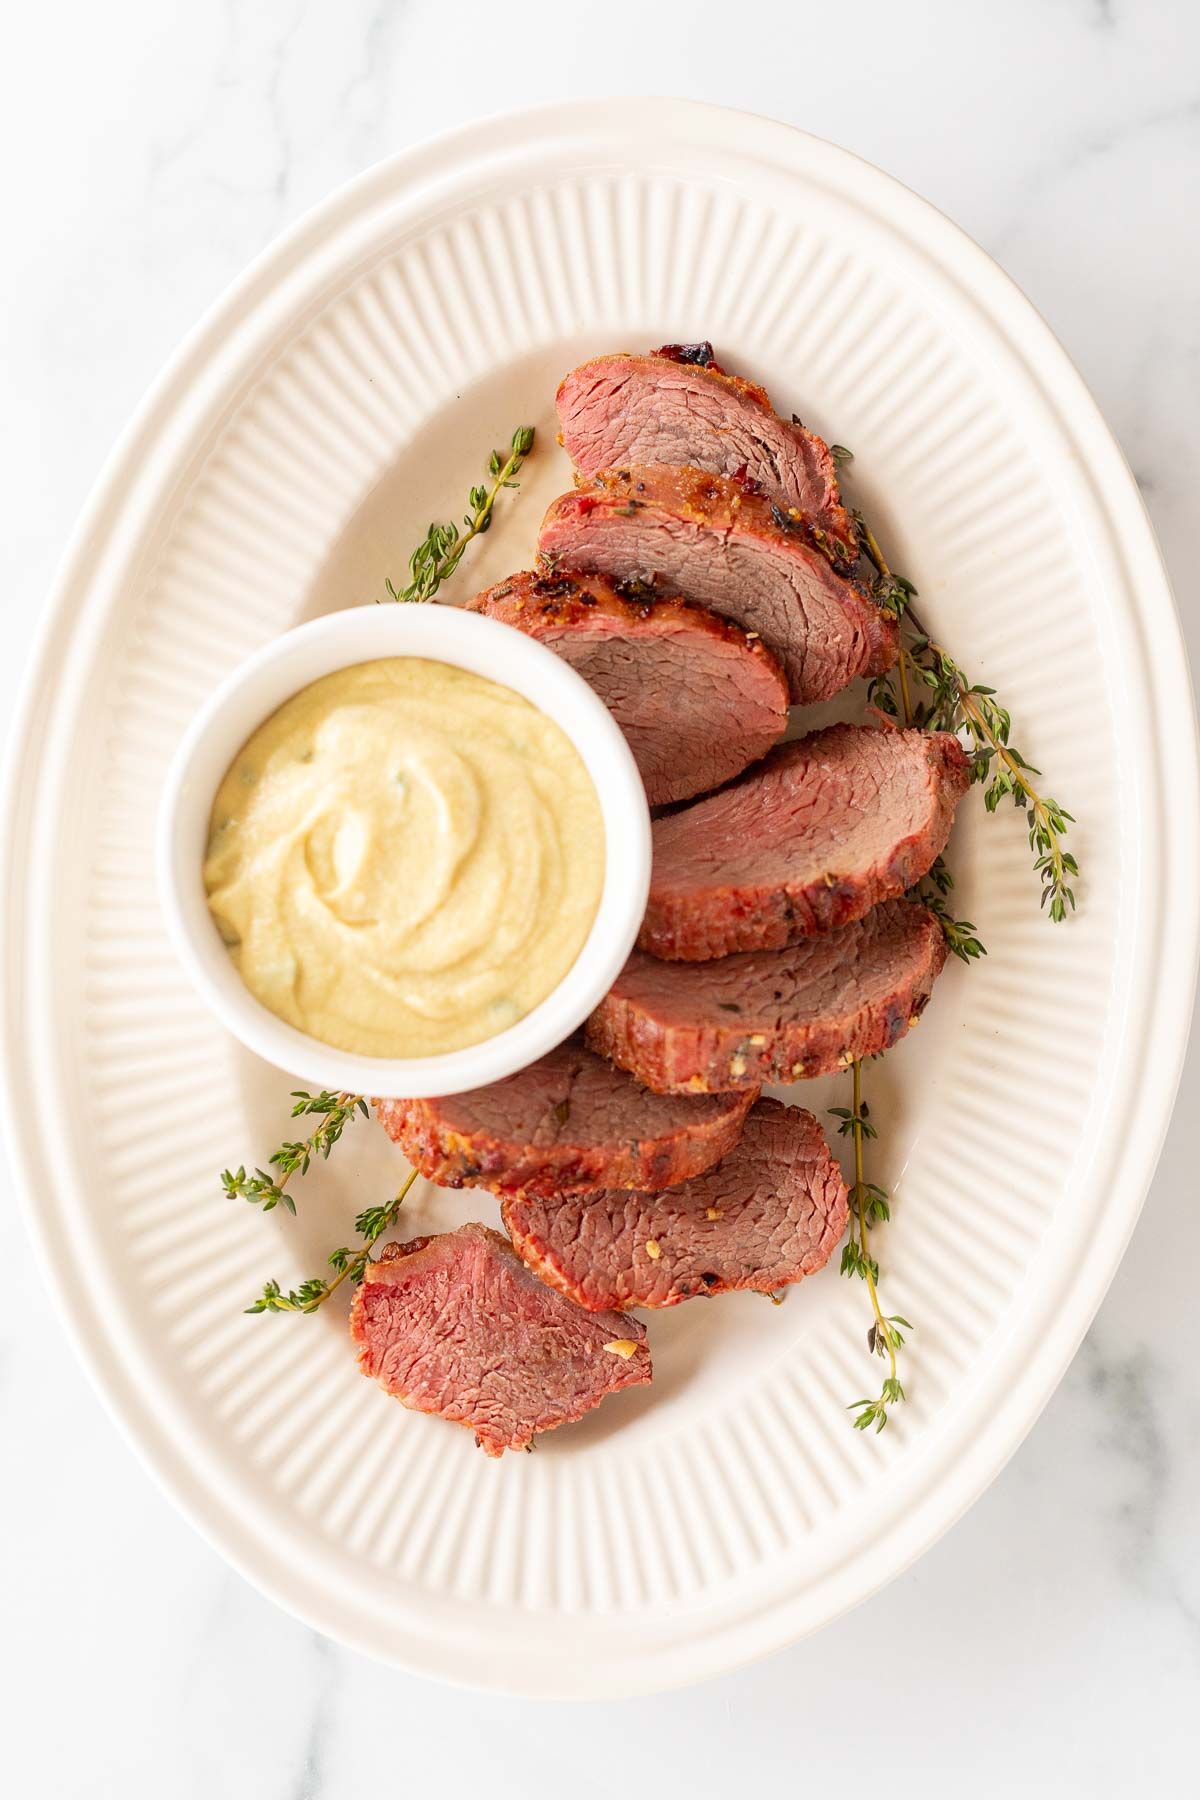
[[857, 1116], [871, 546], [314, 1292], [868, 1265], [439, 553], [955, 704], [387, 1218], [859, 1184], [1046, 815], [336, 1111], [869, 1205], [905, 701]]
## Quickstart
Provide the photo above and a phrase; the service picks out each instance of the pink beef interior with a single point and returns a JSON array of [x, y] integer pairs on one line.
[[772, 1015], [456, 1325], [697, 700], [694, 706], [650, 409], [812, 838], [573, 1097], [768, 1214], [727, 554], [820, 979], [568, 1121]]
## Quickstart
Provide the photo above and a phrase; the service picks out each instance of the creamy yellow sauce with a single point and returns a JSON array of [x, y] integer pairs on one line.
[[405, 858]]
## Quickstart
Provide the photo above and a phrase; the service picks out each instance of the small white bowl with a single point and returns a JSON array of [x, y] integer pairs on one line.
[[281, 669]]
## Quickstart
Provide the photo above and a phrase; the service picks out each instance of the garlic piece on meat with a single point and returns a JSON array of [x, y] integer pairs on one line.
[[652, 1250], [622, 1347]]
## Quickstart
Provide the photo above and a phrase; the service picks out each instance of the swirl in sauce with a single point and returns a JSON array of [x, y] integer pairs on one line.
[[405, 858]]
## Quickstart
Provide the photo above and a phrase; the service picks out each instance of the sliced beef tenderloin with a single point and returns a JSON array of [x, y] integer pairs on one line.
[[623, 409], [569, 1122], [767, 1215], [772, 1015], [707, 538], [811, 839], [457, 1325], [696, 697]]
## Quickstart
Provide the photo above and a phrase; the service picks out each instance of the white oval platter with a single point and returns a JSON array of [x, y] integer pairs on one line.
[[346, 391]]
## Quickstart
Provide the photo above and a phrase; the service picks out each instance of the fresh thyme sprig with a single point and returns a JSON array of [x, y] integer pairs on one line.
[[335, 1111], [438, 555], [348, 1265], [952, 702], [998, 763], [869, 1205]]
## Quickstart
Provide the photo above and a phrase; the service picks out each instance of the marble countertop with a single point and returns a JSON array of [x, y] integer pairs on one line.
[[1051, 1642]]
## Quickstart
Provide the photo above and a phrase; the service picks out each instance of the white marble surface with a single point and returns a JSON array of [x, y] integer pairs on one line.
[[1051, 1643]]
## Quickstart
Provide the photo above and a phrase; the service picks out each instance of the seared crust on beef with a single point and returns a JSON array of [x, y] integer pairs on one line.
[[617, 410], [697, 699], [821, 831], [767, 1215], [772, 1015], [707, 538], [457, 1325], [570, 1122]]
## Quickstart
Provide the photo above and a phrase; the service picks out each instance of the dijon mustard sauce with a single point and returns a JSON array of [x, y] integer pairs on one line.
[[405, 858]]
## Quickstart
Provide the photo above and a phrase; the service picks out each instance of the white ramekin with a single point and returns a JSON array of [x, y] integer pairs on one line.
[[281, 669]]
